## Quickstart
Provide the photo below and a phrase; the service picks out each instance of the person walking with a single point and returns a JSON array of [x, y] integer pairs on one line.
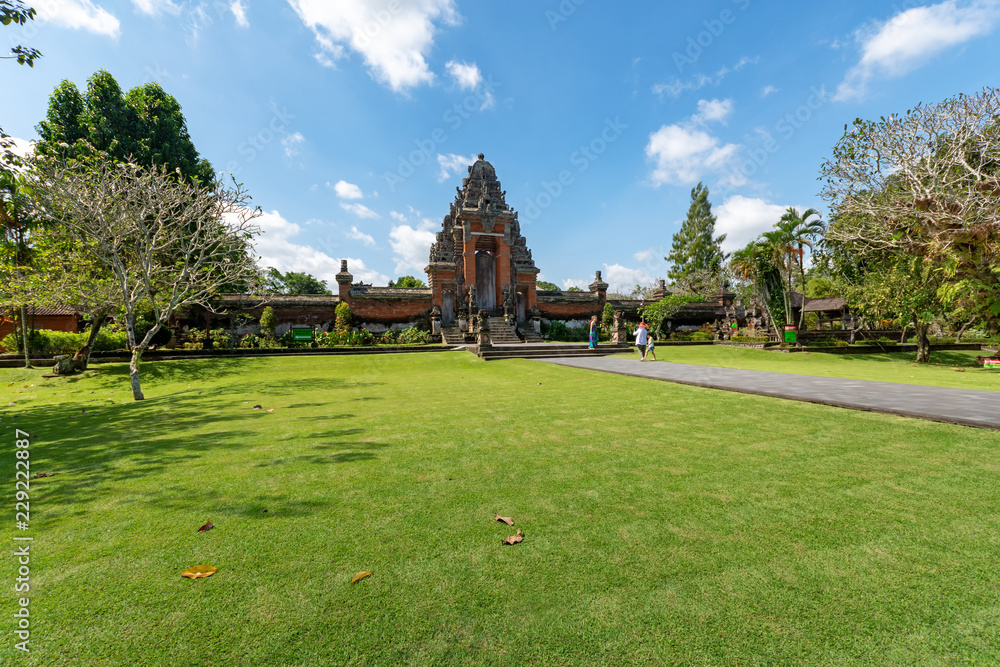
[[641, 339], [593, 333], [651, 346]]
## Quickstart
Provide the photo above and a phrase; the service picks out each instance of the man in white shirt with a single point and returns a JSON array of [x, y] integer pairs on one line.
[[641, 338]]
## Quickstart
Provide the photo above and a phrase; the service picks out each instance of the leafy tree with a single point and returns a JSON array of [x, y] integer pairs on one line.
[[343, 316], [293, 282], [574, 289], [801, 233], [608, 316], [695, 246], [18, 13], [16, 222], [756, 271], [144, 126], [924, 184], [546, 286], [161, 237], [267, 322], [408, 281]]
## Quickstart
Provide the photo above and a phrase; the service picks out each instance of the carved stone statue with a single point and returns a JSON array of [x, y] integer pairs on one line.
[[473, 299], [508, 299]]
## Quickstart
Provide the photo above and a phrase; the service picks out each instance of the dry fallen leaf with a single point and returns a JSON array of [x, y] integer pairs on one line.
[[199, 571], [208, 526], [514, 539], [506, 519], [359, 576], [42, 474], [271, 410]]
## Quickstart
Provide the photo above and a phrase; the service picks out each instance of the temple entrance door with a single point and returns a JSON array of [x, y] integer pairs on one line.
[[486, 290], [522, 307], [448, 307]]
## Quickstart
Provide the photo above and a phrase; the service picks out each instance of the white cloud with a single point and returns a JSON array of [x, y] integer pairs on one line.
[[393, 39], [685, 151], [676, 86], [397, 216], [458, 164], [742, 219], [768, 90], [359, 235], [466, 76], [276, 248], [911, 38], [239, 10], [622, 279], [292, 143], [714, 110], [79, 15], [643, 255], [347, 190], [359, 210], [412, 246], [156, 7], [570, 282]]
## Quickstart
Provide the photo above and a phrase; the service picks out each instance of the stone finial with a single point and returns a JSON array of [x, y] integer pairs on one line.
[[481, 156], [344, 277], [598, 285]]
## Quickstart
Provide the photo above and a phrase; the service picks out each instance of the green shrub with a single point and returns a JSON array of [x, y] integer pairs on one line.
[[267, 322], [558, 331], [748, 339], [413, 335], [44, 341], [343, 316], [701, 336], [389, 337]]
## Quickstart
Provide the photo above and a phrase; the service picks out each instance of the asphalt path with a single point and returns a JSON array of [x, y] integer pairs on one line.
[[967, 407]]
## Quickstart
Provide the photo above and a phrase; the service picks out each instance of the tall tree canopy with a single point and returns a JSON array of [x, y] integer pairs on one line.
[[924, 184], [144, 126], [695, 246], [407, 281]]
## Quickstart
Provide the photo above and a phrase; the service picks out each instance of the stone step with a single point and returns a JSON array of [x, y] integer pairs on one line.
[[501, 332], [452, 335]]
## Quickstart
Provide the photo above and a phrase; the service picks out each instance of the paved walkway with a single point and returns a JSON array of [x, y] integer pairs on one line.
[[967, 407]]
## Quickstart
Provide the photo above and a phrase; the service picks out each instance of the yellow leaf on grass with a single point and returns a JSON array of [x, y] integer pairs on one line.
[[199, 571], [359, 576]]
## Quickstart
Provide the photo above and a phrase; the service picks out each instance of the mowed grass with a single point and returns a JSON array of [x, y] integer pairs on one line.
[[664, 524], [946, 368]]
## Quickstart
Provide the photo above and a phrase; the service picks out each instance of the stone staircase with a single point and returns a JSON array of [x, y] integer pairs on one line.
[[545, 350], [452, 335], [528, 333], [502, 333]]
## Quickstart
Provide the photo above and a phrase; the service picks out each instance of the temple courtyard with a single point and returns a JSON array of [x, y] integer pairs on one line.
[[662, 523]]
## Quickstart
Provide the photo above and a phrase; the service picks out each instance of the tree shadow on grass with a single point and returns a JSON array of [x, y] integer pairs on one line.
[[938, 358], [92, 447]]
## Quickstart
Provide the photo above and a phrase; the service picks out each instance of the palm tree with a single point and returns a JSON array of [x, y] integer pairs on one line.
[[802, 232]]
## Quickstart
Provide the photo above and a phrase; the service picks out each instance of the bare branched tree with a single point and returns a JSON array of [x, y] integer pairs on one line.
[[166, 242], [924, 183]]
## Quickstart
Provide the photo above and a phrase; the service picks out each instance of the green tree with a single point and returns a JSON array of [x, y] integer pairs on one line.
[[608, 316], [343, 317], [546, 286], [145, 126], [802, 232], [292, 283], [267, 322], [408, 281], [18, 13], [16, 255], [695, 246]]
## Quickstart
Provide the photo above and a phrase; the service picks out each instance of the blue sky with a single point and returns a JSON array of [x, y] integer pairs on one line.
[[352, 122]]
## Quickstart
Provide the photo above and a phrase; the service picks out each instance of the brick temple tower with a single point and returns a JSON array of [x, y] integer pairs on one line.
[[480, 246]]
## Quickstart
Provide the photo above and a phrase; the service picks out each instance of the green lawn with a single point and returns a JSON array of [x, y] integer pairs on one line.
[[664, 524], [946, 369]]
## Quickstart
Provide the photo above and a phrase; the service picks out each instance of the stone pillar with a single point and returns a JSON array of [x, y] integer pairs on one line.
[[344, 280], [600, 288]]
